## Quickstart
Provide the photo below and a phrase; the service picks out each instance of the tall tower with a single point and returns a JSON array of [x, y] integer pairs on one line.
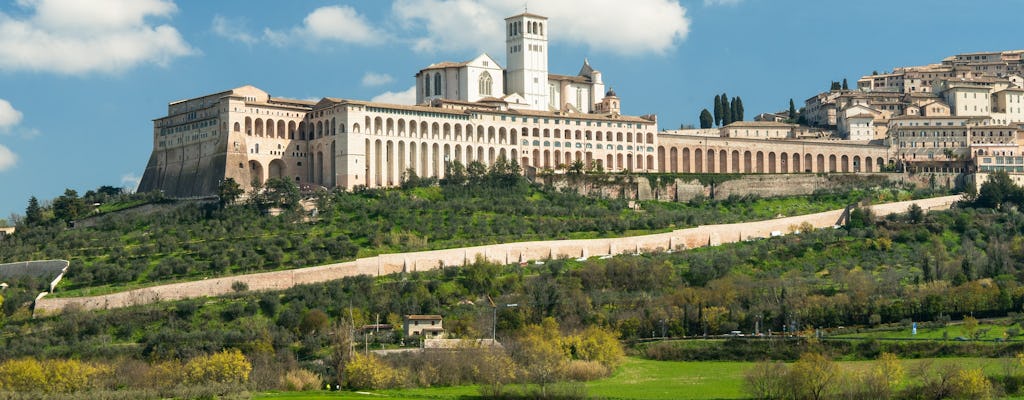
[[526, 51]]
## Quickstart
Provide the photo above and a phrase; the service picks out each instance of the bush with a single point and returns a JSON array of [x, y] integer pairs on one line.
[[369, 372], [228, 366], [300, 380], [582, 371], [22, 375]]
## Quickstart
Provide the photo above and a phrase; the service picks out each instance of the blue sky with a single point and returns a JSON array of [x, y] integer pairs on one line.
[[80, 81]]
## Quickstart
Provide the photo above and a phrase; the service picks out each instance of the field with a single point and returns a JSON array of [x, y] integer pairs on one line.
[[647, 379], [988, 330]]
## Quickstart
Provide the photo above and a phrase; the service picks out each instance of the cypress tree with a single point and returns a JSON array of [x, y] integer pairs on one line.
[[726, 111], [792, 110], [732, 110], [33, 213], [706, 119], [845, 86], [718, 110], [738, 108]]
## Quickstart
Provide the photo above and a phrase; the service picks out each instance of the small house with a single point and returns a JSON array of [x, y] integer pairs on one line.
[[429, 326]]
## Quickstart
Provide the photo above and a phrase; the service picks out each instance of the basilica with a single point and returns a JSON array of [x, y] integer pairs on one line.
[[472, 111]]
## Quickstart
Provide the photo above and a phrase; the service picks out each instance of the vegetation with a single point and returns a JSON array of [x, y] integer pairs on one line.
[[706, 120], [194, 241]]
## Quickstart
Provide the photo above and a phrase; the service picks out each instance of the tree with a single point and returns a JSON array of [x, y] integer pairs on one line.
[[369, 372], [915, 214], [69, 206], [732, 110], [22, 375], [706, 120], [792, 110], [738, 109], [726, 111], [845, 86], [970, 327], [998, 190], [812, 376], [971, 384], [766, 380], [33, 213], [283, 193], [228, 191], [718, 110], [313, 321], [835, 86], [539, 353]]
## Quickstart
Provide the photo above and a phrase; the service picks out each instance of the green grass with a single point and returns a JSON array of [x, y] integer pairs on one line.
[[649, 380], [987, 330]]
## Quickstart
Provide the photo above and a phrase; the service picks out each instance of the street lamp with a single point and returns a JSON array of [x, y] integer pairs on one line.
[[494, 317]]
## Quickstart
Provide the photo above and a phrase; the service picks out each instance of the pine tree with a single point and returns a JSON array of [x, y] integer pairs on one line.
[[718, 110], [726, 112], [33, 213], [792, 110], [845, 86], [706, 119], [739, 108]]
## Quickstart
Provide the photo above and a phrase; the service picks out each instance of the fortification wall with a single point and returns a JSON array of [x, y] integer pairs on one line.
[[506, 253]]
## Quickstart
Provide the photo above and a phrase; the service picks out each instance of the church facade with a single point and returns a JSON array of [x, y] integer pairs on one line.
[[473, 111]]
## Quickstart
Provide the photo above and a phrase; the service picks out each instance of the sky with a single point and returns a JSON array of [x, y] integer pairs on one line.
[[81, 81]]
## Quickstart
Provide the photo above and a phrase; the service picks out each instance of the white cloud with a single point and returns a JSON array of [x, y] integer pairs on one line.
[[75, 37], [9, 117], [405, 97], [627, 28], [7, 158], [232, 29], [376, 79], [708, 3], [130, 181], [330, 23]]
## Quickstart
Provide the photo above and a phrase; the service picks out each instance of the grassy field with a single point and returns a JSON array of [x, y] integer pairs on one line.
[[986, 330], [649, 380]]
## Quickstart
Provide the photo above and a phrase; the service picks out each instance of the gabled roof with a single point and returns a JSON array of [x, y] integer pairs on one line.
[[586, 70], [422, 317], [527, 14]]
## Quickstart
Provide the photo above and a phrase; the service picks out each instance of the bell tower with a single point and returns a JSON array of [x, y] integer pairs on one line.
[[526, 51]]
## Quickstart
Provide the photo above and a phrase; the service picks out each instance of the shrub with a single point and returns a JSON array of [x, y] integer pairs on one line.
[[22, 375], [300, 380], [228, 366], [582, 370], [369, 372]]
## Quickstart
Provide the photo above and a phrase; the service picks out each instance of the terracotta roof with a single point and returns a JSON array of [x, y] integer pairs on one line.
[[422, 317], [769, 124], [446, 64]]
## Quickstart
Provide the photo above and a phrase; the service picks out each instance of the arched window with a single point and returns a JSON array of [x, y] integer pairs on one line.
[[541, 26], [437, 84], [485, 84], [426, 85]]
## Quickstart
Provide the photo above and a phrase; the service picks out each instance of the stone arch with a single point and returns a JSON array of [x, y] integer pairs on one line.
[[378, 126], [868, 165], [673, 159], [698, 161], [282, 132], [723, 161], [821, 163], [760, 162], [319, 129], [832, 167], [258, 124], [291, 130], [710, 154], [389, 127], [857, 165], [879, 163], [796, 164], [845, 163], [772, 163], [748, 162], [808, 163], [270, 128], [275, 170], [237, 127], [256, 172], [446, 131], [686, 165], [661, 157], [736, 162]]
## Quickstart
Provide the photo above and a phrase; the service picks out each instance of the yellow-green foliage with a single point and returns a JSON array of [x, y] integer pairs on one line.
[[229, 366], [971, 384], [595, 344], [890, 367], [68, 376], [369, 372], [22, 375], [63, 376]]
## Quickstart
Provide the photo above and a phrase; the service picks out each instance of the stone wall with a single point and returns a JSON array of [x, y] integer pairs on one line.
[[507, 253], [761, 185]]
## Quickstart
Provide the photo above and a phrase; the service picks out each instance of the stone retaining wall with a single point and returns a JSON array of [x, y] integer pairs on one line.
[[506, 253]]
